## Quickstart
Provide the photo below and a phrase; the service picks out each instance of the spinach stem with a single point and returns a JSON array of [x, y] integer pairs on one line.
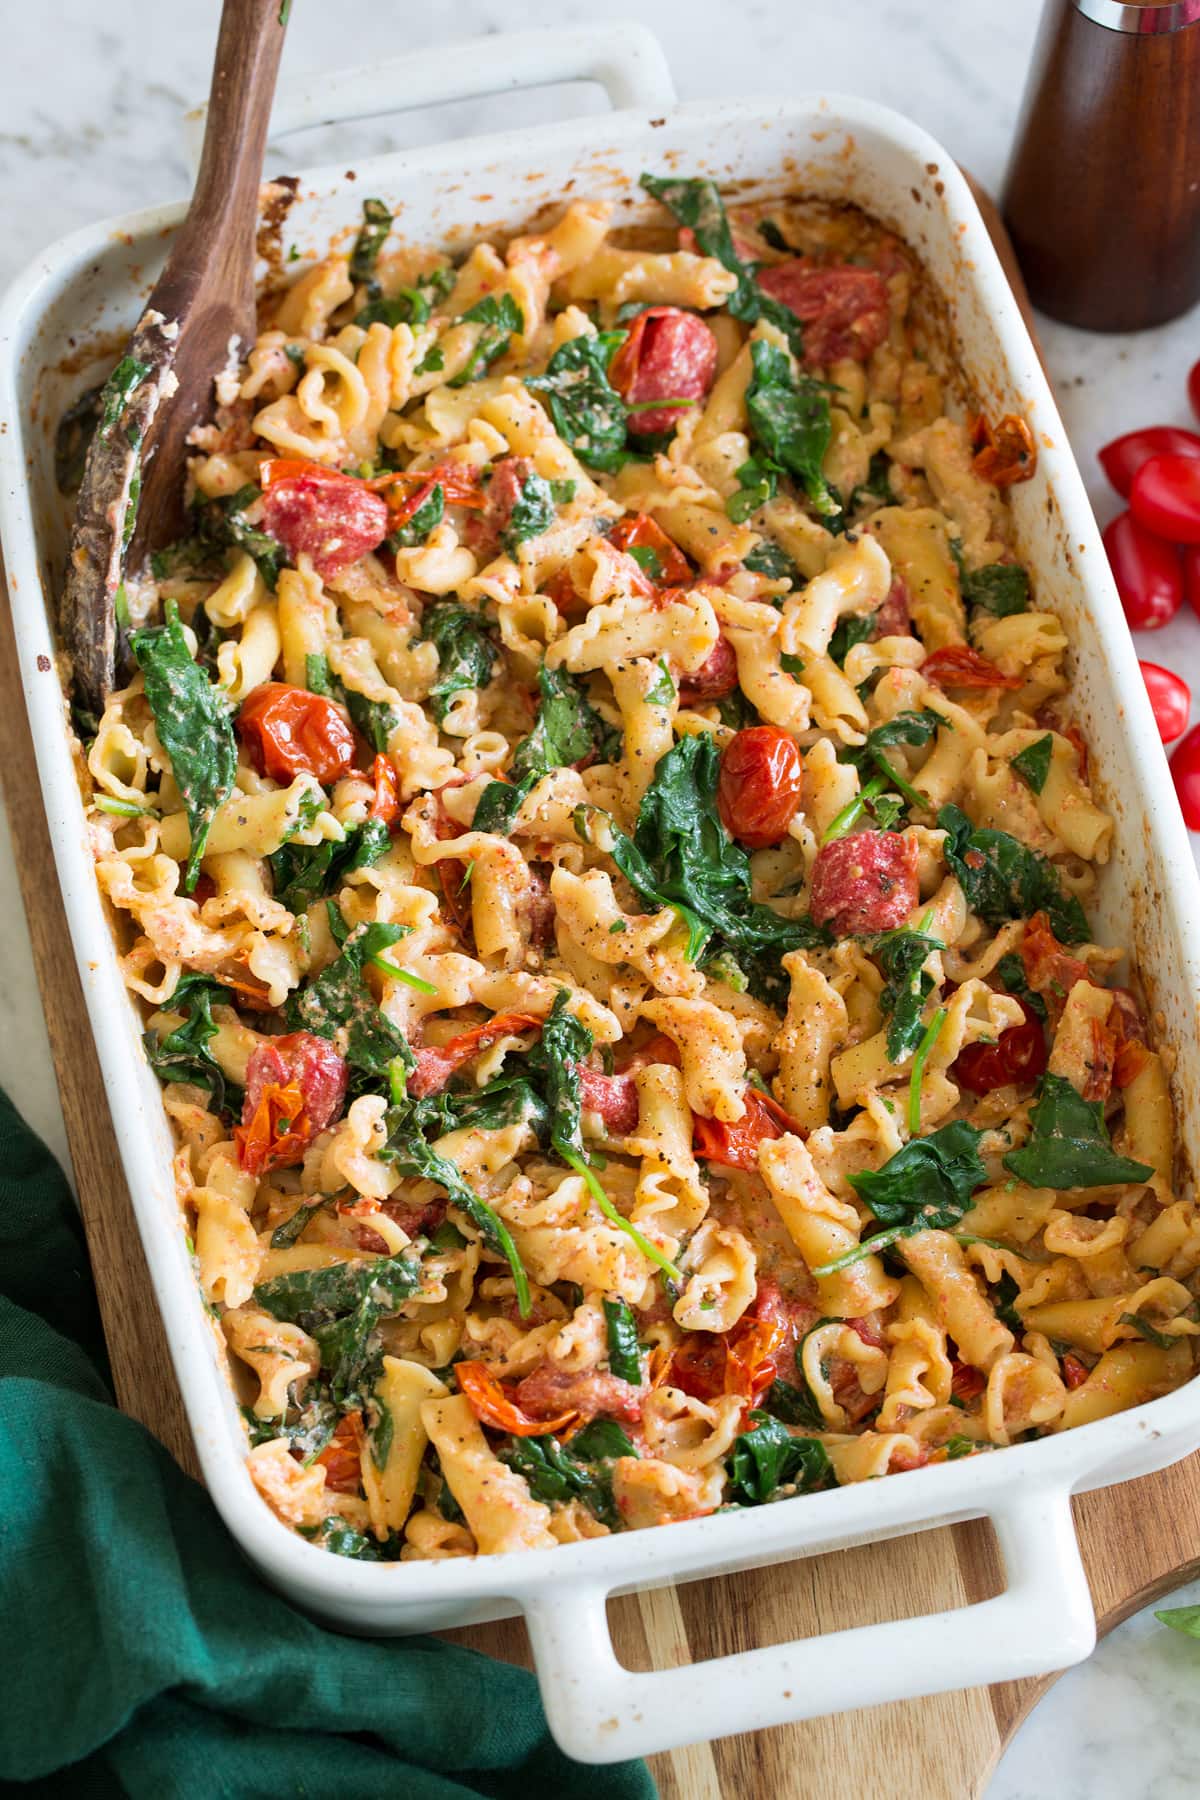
[[854, 809], [610, 1212], [868, 1247], [405, 975], [920, 1057]]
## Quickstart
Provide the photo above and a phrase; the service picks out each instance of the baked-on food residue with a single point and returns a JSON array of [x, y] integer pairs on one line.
[[601, 830]]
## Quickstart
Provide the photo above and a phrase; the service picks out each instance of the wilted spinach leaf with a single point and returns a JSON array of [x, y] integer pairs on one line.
[[790, 421], [589, 414], [183, 1054], [499, 316], [568, 730], [1070, 1146], [768, 1457], [1003, 878], [1033, 763], [338, 999], [466, 652]]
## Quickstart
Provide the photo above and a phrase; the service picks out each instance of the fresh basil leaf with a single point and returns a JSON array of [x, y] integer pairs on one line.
[[194, 727], [624, 1349], [768, 1458], [1003, 878], [1069, 1146], [1033, 763], [790, 421], [467, 653], [588, 413]]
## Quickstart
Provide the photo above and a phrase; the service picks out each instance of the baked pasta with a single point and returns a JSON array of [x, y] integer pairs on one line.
[[598, 826]]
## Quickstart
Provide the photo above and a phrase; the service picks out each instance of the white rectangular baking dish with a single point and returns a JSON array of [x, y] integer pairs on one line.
[[92, 283]]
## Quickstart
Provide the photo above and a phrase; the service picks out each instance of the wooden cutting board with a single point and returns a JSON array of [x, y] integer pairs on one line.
[[1139, 1539]]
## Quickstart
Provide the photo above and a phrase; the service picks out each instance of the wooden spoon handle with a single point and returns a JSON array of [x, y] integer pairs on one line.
[[214, 245]]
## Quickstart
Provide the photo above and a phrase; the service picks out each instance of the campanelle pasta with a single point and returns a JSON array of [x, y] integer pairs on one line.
[[599, 822]]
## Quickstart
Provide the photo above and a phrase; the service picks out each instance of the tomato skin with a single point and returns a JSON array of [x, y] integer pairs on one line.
[[864, 882], [638, 531], [742, 1360], [735, 1146], [613, 1097], [493, 1406], [1193, 387], [716, 676], [958, 666], [1018, 1055], [844, 307], [1122, 459], [1165, 498], [334, 518], [1170, 697], [1185, 773], [295, 1087], [287, 732], [1005, 453], [437, 1064], [760, 786], [385, 804], [1147, 571], [670, 354]]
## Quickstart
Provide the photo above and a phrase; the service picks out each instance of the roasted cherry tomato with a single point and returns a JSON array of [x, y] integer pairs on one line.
[[1147, 571], [1075, 1372], [287, 732], [668, 566], [1185, 772], [864, 882], [1050, 969], [1165, 498], [613, 1097], [333, 518], [966, 1382], [341, 1458], [1005, 453], [1018, 1055], [958, 666], [1122, 459], [494, 1407], [760, 785], [740, 1361], [1170, 697], [436, 1064], [735, 1145], [670, 356], [459, 483], [716, 676], [844, 307], [295, 1087], [385, 804]]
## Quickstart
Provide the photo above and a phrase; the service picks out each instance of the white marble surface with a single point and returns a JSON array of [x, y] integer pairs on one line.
[[90, 102]]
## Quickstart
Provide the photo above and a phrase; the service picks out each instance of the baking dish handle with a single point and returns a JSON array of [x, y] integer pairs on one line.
[[624, 58], [600, 1712]]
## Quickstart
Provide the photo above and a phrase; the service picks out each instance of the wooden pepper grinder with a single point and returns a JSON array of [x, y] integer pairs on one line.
[[1103, 192]]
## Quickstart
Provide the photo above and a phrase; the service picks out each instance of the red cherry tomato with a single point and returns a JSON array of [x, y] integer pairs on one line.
[[1171, 698], [287, 731], [1122, 459], [1190, 557], [1193, 387], [1018, 1055], [736, 1146], [295, 1087], [1185, 772], [760, 785], [1165, 498], [1147, 571]]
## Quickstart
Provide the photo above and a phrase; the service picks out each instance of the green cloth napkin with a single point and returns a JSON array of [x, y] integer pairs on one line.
[[142, 1655]]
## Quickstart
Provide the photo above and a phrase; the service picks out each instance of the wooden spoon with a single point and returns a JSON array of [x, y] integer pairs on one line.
[[199, 319]]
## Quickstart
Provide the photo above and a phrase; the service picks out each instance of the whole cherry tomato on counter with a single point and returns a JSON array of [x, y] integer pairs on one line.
[[287, 730], [1122, 459], [1171, 698], [1185, 772], [1194, 387], [760, 785], [1190, 558], [1165, 498], [1147, 571]]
